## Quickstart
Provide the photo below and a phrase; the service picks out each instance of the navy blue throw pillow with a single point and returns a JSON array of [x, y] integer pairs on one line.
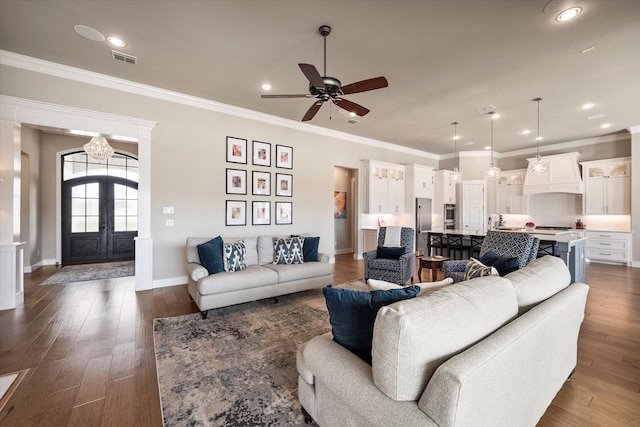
[[310, 249], [211, 255], [352, 315], [389, 252], [504, 265]]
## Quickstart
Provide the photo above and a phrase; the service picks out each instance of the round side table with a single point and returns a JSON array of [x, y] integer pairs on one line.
[[433, 263]]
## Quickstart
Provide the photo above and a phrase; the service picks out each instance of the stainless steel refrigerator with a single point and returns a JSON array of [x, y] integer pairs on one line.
[[423, 223]]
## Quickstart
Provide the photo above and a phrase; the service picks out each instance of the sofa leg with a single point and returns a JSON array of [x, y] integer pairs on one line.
[[308, 419], [204, 314], [276, 300], [571, 374]]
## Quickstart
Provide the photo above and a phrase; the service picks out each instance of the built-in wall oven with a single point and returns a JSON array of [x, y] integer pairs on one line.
[[449, 217]]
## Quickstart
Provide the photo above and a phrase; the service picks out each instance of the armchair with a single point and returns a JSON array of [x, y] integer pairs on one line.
[[507, 244], [392, 270]]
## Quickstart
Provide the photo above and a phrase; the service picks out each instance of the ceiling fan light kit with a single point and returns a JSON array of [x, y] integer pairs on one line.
[[325, 88]]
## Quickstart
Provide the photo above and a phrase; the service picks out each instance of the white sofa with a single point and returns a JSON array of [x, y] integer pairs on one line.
[[491, 351], [262, 279]]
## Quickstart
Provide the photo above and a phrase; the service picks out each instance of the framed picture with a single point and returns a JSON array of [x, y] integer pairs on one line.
[[236, 212], [284, 213], [261, 183], [261, 213], [340, 204], [261, 153], [236, 181], [284, 185], [236, 150], [284, 157]]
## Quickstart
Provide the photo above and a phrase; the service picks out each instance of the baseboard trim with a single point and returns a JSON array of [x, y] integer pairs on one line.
[[172, 281]]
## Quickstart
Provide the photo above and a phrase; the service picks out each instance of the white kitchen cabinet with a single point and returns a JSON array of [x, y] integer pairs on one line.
[[510, 197], [423, 182], [609, 246], [607, 186], [445, 188], [369, 239], [383, 187]]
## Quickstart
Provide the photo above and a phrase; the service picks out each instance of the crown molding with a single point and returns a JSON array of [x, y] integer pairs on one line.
[[634, 129], [89, 77]]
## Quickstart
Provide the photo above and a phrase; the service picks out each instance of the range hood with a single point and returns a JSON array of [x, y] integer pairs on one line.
[[563, 177]]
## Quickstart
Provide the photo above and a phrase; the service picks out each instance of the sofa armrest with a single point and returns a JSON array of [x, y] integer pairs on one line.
[[322, 257], [196, 271], [350, 380], [369, 255]]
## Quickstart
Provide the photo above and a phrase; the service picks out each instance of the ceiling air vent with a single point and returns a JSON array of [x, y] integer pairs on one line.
[[353, 121], [119, 56]]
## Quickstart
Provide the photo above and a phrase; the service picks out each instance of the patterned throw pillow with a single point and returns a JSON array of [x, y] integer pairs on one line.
[[234, 254], [288, 251], [475, 269]]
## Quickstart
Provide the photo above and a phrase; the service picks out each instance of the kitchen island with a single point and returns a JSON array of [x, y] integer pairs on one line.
[[568, 245]]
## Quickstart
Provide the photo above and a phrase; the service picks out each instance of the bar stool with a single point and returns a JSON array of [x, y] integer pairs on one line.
[[456, 244], [546, 247], [476, 245], [437, 242]]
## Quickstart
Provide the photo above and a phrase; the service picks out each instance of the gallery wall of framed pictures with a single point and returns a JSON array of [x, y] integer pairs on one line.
[[260, 174]]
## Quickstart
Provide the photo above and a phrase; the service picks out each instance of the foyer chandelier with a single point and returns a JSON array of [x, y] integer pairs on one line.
[[456, 176], [538, 166], [493, 171], [98, 148]]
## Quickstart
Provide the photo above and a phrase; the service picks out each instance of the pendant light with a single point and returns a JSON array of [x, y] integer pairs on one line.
[[493, 171], [98, 148], [456, 176], [538, 166]]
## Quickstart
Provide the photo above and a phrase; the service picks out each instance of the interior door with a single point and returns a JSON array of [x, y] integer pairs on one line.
[[473, 206], [99, 219]]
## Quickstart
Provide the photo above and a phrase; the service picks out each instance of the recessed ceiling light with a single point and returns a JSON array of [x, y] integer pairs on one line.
[[526, 132], [457, 137], [586, 106], [488, 147], [352, 114], [469, 143], [266, 86], [596, 116], [538, 138], [605, 125], [116, 41], [568, 14], [588, 49], [89, 33]]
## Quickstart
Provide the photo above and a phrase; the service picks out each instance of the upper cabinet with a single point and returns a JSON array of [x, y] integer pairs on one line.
[[607, 186], [423, 182], [384, 186], [445, 188], [510, 197]]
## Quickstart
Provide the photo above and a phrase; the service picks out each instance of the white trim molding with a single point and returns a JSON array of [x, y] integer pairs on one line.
[[39, 113]]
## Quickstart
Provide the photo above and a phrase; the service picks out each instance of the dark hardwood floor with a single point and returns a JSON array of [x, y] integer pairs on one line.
[[89, 350]]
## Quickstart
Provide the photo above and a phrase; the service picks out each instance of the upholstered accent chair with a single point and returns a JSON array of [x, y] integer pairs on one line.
[[389, 269], [506, 244]]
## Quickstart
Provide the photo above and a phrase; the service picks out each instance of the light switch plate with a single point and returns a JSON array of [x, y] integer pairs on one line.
[[167, 210], [169, 223]]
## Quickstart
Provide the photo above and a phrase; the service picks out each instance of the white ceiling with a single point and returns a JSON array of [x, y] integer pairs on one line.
[[444, 59]]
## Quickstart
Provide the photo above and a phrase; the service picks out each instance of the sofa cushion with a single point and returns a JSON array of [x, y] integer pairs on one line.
[[310, 248], [412, 338], [504, 265], [352, 314], [539, 280], [291, 272], [211, 255], [265, 248], [288, 250], [234, 254], [425, 288], [389, 252], [254, 276], [475, 268]]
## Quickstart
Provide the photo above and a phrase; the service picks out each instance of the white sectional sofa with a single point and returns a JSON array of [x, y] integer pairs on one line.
[[491, 351], [262, 279]]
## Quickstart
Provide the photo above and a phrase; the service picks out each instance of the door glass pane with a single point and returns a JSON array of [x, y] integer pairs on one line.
[[132, 174], [119, 207], [78, 191], [92, 224], [93, 207], [132, 223], [77, 207], [132, 193], [85, 208], [77, 224], [125, 208], [118, 160], [119, 171], [119, 223], [94, 169], [93, 190], [132, 208]]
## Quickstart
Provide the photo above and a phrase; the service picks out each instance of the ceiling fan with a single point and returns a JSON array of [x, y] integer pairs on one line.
[[325, 88]]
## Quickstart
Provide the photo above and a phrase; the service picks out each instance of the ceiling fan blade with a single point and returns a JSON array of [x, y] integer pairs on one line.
[[350, 106], [312, 75], [365, 85], [312, 111], [308, 95]]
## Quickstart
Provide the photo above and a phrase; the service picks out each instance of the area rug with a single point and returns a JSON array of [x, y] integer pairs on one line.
[[85, 272], [238, 366]]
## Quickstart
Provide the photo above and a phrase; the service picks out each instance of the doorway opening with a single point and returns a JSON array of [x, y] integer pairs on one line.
[[99, 208], [345, 210]]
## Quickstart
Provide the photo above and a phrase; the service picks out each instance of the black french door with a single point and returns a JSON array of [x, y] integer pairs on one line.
[[99, 219]]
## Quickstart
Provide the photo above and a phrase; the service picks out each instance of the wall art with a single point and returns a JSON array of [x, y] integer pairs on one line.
[[284, 157], [284, 185], [236, 212], [261, 153], [261, 183], [236, 150], [236, 181], [284, 213], [261, 213]]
